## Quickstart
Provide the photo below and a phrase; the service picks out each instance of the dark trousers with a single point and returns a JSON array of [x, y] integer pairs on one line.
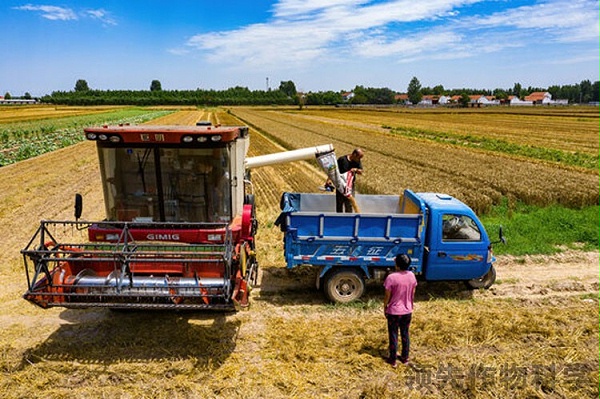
[[394, 324], [342, 203]]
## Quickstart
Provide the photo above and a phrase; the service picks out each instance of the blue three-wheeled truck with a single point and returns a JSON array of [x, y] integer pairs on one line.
[[443, 237]]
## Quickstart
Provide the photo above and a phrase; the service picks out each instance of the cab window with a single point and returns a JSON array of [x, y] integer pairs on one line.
[[459, 228]]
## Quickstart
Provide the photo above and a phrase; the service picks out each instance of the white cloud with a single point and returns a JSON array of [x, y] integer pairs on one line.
[[564, 20], [102, 16], [53, 13], [302, 32], [56, 13], [406, 46], [296, 8], [178, 51]]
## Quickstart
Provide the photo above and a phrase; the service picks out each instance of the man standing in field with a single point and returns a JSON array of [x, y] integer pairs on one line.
[[348, 163], [400, 288]]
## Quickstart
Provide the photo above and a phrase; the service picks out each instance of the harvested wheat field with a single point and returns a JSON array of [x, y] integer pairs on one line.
[[534, 334]]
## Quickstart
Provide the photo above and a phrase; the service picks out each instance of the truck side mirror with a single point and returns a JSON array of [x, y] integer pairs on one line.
[[501, 236], [78, 206]]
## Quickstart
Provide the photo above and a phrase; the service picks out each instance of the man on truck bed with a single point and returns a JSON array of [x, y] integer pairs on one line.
[[348, 163], [400, 288]]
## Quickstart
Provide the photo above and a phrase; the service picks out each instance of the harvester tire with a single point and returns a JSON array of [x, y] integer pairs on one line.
[[484, 281], [344, 286]]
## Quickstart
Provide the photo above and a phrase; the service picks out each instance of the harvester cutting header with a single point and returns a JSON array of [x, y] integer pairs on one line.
[[179, 228]]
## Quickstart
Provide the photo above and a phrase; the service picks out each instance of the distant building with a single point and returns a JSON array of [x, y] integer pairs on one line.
[[444, 100], [347, 96], [544, 98], [402, 99], [455, 98], [17, 101], [429, 99], [515, 100], [477, 100], [539, 97]]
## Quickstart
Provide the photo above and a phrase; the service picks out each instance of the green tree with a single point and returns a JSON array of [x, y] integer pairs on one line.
[[332, 97], [555, 91], [596, 91], [81, 85], [414, 91], [500, 94], [381, 96], [7, 96], [464, 100], [27, 96], [155, 85], [360, 96], [585, 88], [438, 90], [517, 89], [288, 88]]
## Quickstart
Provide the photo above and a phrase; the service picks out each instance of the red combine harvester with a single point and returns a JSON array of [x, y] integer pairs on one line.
[[179, 228]]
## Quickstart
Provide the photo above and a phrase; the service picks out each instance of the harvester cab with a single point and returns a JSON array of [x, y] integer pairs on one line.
[[179, 227]]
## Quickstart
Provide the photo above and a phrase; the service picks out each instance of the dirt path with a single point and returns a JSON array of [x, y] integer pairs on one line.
[[565, 274]]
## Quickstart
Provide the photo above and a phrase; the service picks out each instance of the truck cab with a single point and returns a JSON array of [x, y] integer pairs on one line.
[[458, 247]]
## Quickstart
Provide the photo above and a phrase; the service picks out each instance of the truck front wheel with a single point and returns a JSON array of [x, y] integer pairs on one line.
[[344, 286], [484, 281]]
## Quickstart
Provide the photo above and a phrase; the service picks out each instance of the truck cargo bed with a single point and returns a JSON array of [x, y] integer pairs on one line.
[[388, 224]]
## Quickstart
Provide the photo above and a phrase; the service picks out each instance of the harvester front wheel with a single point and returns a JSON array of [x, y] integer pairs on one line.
[[484, 281], [344, 286]]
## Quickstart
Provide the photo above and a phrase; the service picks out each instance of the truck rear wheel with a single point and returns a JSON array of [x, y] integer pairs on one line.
[[344, 286], [484, 281]]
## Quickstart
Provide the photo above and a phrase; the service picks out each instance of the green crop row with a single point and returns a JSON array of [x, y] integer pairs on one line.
[[23, 140]]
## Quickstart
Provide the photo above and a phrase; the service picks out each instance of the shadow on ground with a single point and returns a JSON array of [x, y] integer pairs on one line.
[[281, 286], [105, 337]]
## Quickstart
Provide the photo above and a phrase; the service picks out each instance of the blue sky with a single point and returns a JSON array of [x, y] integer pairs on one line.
[[318, 44]]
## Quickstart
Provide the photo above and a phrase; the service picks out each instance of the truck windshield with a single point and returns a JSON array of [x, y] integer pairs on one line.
[[145, 184], [459, 228]]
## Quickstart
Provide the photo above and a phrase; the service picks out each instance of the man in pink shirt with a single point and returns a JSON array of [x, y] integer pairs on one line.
[[400, 288]]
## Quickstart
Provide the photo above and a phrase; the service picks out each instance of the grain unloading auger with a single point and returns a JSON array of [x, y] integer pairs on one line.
[[180, 224]]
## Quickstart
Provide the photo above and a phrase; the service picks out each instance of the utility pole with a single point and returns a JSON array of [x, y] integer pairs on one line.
[[267, 83]]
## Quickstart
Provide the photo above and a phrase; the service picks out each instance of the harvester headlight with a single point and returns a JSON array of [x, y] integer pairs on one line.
[[114, 139], [202, 139], [103, 137], [216, 137], [187, 139], [91, 136]]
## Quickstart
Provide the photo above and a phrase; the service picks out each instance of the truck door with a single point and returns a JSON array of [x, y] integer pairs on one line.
[[459, 248]]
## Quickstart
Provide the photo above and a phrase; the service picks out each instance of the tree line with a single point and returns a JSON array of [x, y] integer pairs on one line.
[[286, 94], [83, 95]]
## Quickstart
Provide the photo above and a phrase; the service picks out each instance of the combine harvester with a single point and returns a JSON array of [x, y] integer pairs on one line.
[[179, 228]]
